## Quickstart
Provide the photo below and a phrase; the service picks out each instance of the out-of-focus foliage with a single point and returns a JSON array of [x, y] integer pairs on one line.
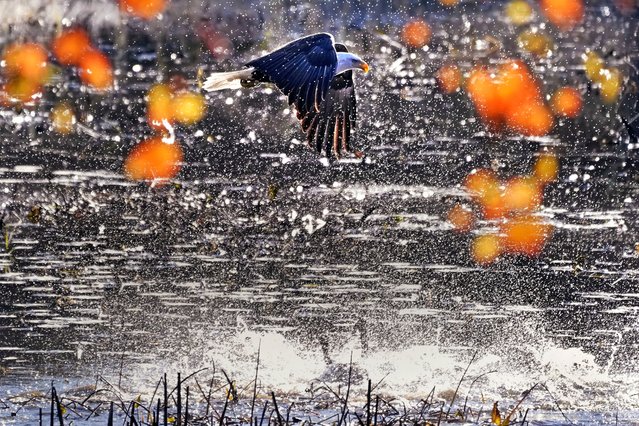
[[146, 9], [154, 159]]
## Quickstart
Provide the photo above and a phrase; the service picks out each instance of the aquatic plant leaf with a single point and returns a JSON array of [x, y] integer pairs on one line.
[[272, 191], [495, 416], [35, 215]]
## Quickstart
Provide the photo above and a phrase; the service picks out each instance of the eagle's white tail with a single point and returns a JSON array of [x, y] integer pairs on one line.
[[227, 80]]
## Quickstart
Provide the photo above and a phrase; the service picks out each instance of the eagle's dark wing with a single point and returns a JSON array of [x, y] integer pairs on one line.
[[330, 127], [302, 70]]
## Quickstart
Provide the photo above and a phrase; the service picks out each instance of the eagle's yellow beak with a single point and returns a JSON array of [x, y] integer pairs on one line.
[[364, 67]]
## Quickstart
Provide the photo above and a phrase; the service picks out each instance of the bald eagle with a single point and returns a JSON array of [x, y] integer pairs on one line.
[[315, 73]]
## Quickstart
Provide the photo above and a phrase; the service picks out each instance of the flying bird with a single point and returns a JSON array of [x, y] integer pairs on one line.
[[315, 73]]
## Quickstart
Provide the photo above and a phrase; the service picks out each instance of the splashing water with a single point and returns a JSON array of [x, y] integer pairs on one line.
[[258, 243]]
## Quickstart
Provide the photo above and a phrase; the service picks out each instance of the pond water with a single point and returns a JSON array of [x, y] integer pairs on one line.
[[261, 243]]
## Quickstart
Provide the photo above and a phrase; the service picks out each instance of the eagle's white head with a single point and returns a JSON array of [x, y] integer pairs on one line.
[[348, 61]]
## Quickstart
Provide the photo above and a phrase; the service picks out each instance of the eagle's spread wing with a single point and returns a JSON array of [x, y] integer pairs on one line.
[[330, 127], [302, 70]]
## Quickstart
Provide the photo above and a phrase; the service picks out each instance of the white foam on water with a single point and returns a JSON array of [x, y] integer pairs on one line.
[[284, 365], [574, 379]]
